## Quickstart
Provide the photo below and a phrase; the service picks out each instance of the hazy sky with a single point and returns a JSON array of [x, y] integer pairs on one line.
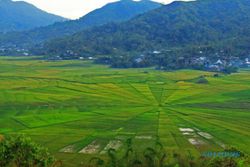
[[73, 8]]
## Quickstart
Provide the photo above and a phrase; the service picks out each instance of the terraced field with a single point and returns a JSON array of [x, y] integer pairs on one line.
[[78, 109]]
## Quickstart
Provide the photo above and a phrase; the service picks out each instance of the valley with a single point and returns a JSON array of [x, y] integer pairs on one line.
[[78, 109]]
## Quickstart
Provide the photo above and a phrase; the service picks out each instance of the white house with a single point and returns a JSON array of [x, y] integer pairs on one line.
[[156, 52], [219, 62]]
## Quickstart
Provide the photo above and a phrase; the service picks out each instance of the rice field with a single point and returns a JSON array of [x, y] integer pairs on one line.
[[78, 109]]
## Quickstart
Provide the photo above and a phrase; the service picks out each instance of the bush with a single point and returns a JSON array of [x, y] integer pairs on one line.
[[202, 80], [22, 152], [150, 157], [230, 70], [216, 75]]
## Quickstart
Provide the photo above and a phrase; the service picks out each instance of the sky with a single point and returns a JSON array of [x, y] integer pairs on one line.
[[73, 9]]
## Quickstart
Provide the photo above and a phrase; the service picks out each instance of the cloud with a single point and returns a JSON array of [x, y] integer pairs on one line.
[[73, 8], [68, 8]]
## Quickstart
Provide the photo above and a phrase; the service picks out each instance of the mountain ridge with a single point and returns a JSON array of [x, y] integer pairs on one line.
[[187, 30], [113, 12], [174, 27], [16, 16]]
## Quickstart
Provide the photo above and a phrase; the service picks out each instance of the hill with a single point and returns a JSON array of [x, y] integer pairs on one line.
[[209, 28], [18, 16], [113, 12]]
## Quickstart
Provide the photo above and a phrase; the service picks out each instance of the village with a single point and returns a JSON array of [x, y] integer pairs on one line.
[[164, 60], [205, 62], [14, 51]]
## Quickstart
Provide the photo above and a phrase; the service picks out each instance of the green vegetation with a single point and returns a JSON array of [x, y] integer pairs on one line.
[[80, 110], [182, 31], [201, 80], [22, 152], [114, 12]]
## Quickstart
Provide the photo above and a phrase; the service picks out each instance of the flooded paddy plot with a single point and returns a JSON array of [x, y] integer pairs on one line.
[[68, 149], [192, 132], [123, 138], [188, 134], [205, 135], [194, 141], [197, 137], [113, 144], [143, 137], [92, 148], [186, 130]]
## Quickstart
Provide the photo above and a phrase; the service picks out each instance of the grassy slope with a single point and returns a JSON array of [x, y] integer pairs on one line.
[[74, 102]]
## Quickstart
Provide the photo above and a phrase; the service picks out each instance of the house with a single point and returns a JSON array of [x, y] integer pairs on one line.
[[236, 63], [219, 62], [156, 52], [55, 58], [214, 67], [70, 52], [26, 54], [217, 66], [202, 58], [138, 60], [247, 62], [201, 62]]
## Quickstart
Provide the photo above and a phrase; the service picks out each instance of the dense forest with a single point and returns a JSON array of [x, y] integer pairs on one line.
[[180, 31], [113, 12]]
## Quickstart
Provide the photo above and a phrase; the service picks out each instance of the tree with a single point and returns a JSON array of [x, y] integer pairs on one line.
[[112, 157], [96, 162], [230, 69], [20, 151], [202, 80]]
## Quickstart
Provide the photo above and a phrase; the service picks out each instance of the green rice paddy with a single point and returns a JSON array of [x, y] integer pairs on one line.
[[76, 106]]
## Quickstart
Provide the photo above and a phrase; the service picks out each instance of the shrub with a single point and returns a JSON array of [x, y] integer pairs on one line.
[[22, 152], [202, 80]]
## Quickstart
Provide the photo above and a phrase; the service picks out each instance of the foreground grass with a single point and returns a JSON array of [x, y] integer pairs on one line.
[[68, 105]]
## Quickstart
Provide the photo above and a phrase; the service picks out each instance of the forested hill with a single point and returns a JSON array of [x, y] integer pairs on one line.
[[17, 16], [117, 11], [177, 26], [113, 12]]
